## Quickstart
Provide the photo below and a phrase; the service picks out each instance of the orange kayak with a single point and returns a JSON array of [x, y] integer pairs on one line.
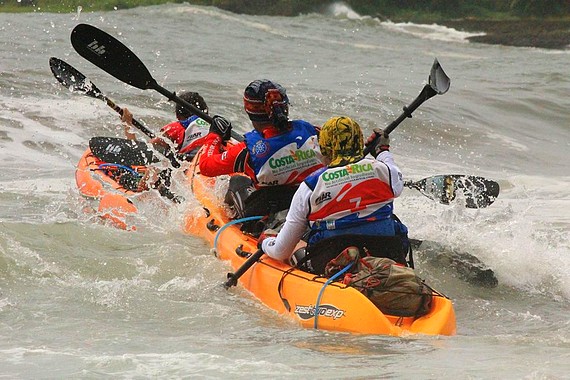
[[96, 182], [302, 296]]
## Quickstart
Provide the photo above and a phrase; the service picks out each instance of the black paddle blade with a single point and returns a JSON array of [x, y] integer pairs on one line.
[[438, 84], [478, 192], [102, 49], [438, 79], [121, 151], [68, 76]]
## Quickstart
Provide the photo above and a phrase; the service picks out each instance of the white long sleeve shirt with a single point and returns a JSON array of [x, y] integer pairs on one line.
[[296, 222]]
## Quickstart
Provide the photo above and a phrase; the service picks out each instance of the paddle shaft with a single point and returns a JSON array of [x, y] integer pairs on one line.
[[176, 99], [135, 122], [169, 154], [233, 277], [71, 78], [438, 83], [426, 93]]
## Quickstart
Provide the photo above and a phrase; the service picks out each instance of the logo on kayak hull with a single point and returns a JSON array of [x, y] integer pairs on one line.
[[327, 311]]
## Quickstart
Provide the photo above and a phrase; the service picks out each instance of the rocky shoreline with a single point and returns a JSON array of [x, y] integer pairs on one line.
[[546, 34]]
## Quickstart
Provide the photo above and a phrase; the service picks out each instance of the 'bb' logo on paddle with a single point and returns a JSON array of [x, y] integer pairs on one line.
[[96, 48], [115, 149]]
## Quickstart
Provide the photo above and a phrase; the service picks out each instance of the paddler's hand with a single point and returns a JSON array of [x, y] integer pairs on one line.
[[148, 177], [221, 126], [264, 235], [379, 141], [127, 118]]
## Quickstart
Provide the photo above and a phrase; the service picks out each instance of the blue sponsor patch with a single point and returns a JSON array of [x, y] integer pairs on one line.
[[260, 149]]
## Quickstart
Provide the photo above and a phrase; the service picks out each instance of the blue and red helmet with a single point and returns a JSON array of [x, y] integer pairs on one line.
[[266, 102]]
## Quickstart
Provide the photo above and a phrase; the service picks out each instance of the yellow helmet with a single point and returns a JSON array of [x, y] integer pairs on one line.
[[341, 140]]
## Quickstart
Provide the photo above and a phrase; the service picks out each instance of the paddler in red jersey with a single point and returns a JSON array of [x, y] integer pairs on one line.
[[275, 157], [187, 133], [347, 203]]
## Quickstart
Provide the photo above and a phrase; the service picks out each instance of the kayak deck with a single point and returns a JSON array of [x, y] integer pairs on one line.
[[298, 294]]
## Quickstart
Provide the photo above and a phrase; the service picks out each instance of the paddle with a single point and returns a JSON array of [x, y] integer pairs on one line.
[[109, 54], [75, 81], [121, 151], [127, 152], [438, 84], [233, 277], [71, 78], [478, 192]]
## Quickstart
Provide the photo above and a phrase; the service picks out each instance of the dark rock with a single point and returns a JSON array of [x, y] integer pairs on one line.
[[547, 34]]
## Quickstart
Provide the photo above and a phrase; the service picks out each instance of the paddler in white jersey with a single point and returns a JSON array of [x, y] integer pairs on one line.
[[351, 197]]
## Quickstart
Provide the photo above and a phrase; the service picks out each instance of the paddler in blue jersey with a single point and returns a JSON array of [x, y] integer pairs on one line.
[[274, 158], [347, 203]]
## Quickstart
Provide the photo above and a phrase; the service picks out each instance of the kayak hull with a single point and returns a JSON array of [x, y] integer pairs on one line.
[[302, 296], [110, 200]]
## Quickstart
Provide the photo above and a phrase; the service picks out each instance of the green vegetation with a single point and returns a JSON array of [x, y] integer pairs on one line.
[[67, 6], [412, 10]]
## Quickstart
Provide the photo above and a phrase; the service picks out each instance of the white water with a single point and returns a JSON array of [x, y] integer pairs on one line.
[[82, 299]]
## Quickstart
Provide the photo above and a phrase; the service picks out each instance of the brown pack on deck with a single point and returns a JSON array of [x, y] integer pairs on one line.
[[393, 288]]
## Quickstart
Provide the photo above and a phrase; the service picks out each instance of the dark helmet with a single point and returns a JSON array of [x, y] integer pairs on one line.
[[266, 102], [193, 98]]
